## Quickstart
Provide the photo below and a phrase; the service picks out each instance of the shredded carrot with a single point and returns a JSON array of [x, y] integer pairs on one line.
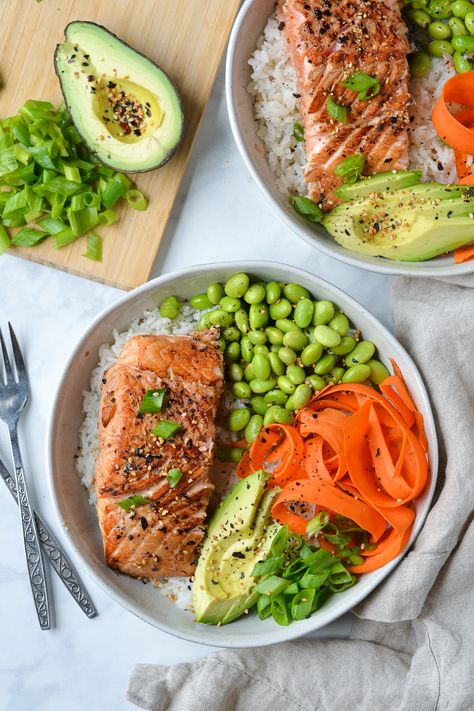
[[352, 451]]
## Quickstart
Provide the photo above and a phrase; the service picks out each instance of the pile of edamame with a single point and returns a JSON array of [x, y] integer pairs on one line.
[[280, 345], [446, 27]]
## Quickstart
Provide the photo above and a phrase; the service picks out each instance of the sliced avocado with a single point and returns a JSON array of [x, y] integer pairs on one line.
[[238, 536], [403, 227], [378, 183], [124, 106], [435, 191]]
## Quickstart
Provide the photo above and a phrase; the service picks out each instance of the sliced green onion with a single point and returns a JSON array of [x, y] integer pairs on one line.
[[264, 607], [52, 226], [83, 200], [107, 217], [290, 590], [366, 86], [279, 542], [340, 578], [136, 199], [115, 188], [306, 208], [8, 160], [280, 611], [265, 567], [132, 502], [319, 561], [94, 247], [17, 201], [83, 220], [335, 111], [298, 132], [317, 523], [43, 155], [173, 476], [71, 172], [314, 580], [28, 237], [302, 603], [272, 586], [36, 111], [152, 401], [57, 185], [4, 239], [351, 168], [165, 429], [64, 237], [229, 454]]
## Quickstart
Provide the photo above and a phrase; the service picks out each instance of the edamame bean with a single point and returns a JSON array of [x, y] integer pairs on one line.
[[261, 366], [235, 372], [356, 374], [232, 352], [261, 349], [301, 396], [241, 390], [274, 348], [460, 8], [325, 364], [420, 63], [457, 26], [200, 302], [463, 44], [280, 309], [258, 404], [258, 338], [229, 454], [259, 386], [255, 294], [303, 312], [311, 354], [361, 353], [272, 292], [215, 292], [285, 325], [323, 312], [219, 317], [249, 372], [295, 340], [229, 304], [254, 426], [326, 336], [378, 372], [236, 286], [170, 307], [316, 382], [346, 345], [340, 324], [275, 397], [258, 316], [242, 320], [441, 9], [439, 30], [336, 374], [274, 335], [438, 48], [246, 348], [469, 21], [295, 292], [285, 384], [276, 364], [277, 414], [287, 355], [204, 321], [231, 333], [461, 63], [419, 17], [295, 374]]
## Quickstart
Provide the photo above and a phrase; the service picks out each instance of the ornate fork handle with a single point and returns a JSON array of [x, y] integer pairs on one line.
[[34, 559], [60, 562]]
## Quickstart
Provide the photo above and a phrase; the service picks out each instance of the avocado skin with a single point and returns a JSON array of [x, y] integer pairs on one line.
[[84, 137], [426, 227], [247, 507]]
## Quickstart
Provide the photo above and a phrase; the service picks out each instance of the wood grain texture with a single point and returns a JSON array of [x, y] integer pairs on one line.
[[185, 37]]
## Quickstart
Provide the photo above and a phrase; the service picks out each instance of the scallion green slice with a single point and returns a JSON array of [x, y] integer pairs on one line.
[[272, 586], [28, 237], [116, 187], [336, 111], [83, 220], [306, 208], [265, 567], [136, 199], [173, 476], [165, 429], [64, 237], [317, 523], [298, 132], [280, 611], [133, 502], [4, 239], [94, 247], [366, 86], [351, 168], [152, 401], [301, 604]]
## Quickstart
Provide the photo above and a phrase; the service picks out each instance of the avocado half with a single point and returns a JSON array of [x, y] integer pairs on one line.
[[126, 109]]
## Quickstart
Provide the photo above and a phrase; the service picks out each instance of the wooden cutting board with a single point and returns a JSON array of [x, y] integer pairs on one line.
[[185, 37]]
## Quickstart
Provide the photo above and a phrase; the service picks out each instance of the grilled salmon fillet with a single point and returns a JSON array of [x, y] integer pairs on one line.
[[328, 41], [159, 538]]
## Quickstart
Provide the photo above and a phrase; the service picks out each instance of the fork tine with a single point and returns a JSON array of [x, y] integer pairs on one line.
[[19, 362], [8, 368]]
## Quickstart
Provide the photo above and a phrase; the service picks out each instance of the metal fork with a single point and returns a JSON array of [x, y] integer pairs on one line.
[[13, 398]]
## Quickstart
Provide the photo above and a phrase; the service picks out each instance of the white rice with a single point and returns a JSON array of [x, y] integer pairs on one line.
[[275, 90]]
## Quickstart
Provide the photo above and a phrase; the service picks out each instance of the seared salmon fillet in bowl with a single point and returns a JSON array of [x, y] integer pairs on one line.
[[161, 537]]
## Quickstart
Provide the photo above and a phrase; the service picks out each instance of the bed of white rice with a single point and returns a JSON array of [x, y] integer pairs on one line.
[[275, 90]]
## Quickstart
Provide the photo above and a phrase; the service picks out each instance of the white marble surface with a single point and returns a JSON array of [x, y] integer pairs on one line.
[[219, 215]]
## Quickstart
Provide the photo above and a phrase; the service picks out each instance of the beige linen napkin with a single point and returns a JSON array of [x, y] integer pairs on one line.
[[412, 644]]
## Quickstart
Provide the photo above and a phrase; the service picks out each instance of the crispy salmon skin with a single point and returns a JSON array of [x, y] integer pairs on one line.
[[159, 538], [329, 41]]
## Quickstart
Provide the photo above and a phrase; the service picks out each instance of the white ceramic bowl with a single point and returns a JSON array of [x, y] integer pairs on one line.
[[79, 517], [248, 26]]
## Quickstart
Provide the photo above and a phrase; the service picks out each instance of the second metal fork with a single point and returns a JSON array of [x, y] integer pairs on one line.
[[13, 398]]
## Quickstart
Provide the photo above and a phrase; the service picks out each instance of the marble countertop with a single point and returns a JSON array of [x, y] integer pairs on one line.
[[219, 215]]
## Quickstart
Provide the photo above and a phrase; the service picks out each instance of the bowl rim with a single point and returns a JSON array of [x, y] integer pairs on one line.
[[293, 222], [285, 633]]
